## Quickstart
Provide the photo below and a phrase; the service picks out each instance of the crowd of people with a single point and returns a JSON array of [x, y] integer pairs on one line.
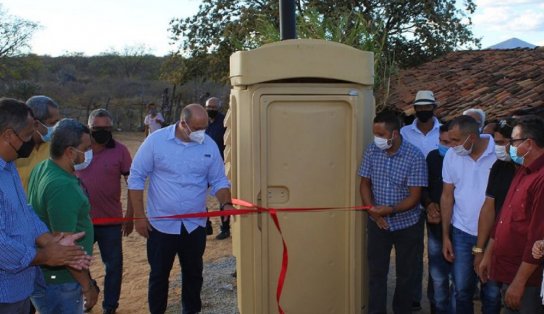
[[476, 187], [56, 176], [479, 189]]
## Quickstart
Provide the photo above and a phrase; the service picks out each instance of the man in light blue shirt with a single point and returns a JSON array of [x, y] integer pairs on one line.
[[181, 162], [25, 241]]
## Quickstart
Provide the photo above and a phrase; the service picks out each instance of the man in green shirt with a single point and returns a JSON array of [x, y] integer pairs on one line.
[[61, 203]]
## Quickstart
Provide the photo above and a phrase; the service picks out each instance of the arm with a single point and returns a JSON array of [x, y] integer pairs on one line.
[[515, 291], [446, 210], [88, 287], [128, 225], [485, 224], [408, 203]]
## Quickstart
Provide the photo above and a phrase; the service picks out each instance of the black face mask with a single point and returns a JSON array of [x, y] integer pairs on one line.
[[101, 136], [26, 149], [212, 114], [424, 116]]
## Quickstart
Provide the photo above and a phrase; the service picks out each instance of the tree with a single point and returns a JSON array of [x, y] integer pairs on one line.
[[15, 34], [410, 31]]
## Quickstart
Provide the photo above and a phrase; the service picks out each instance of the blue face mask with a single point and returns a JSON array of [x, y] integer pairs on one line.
[[47, 137], [442, 149], [514, 155]]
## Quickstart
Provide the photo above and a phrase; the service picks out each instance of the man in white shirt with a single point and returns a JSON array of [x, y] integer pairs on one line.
[[424, 134], [465, 174]]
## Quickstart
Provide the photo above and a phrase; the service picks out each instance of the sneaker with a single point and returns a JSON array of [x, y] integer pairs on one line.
[[109, 311], [416, 306], [209, 229], [223, 235]]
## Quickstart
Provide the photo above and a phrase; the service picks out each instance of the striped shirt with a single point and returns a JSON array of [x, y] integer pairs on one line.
[[19, 228], [391, 176]]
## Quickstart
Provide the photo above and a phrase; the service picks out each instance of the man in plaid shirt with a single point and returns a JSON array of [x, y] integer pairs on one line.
[[392, 172]]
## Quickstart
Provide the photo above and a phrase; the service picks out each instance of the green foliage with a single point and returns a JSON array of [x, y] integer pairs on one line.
[[400, 32]]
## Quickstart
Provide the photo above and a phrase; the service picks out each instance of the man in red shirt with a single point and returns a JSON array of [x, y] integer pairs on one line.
[[102, 180], [508, 255]]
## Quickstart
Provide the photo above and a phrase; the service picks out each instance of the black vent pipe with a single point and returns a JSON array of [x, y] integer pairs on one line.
[[287, 20]]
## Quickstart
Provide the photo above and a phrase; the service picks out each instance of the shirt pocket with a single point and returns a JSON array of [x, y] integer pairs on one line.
[[160, 162], [199, 165]]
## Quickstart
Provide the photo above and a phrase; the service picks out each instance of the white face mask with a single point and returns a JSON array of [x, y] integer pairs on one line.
[[501, 153], [88, 158], [198, 136], [383, 143], [461, 150]]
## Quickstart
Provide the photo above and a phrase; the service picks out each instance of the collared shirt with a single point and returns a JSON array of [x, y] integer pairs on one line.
[[391, 176], [469, 178], [424, 142], [60, 202], [520, 224], [216, 130], [19, 228], [102, 180], [25, 165], [179, 175]]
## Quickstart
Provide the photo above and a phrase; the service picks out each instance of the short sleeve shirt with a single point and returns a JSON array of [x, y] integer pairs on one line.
[[62, 205], [102, 180], [391, 176], [500, 178]]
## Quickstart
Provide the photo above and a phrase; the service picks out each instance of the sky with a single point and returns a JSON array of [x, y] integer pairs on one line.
[[97, 26]]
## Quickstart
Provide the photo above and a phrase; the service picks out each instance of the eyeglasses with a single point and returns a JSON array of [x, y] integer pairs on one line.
[[513, 141]]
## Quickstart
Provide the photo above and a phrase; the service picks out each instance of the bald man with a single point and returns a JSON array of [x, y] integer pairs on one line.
[[181, 162]]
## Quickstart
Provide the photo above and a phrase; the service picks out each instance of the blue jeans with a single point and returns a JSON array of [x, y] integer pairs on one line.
[[439, 271], [464, 277], [64, 298], [109, 240]]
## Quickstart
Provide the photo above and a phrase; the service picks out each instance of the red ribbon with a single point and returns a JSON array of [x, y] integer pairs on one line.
[[250, 209]]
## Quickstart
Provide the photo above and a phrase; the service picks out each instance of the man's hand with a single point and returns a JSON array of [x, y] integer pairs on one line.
[[143, 227], [90, 296], [484, 266], [380, 221], [61, 251], [382, 211], [128, 227], [433, 213], [227, 207], [512, 297], [538, 249], [447, 250]]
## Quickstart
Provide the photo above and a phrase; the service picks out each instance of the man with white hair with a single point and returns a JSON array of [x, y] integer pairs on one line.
[[478, 115], [46, 114]]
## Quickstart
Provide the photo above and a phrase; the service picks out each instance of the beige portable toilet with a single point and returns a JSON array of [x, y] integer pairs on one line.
[[300, 116]]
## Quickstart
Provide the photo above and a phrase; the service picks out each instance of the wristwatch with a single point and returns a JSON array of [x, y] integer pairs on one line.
[[477, 250]]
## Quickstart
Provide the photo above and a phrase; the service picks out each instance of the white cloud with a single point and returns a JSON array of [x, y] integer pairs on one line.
[[504, 18], [506, 3]]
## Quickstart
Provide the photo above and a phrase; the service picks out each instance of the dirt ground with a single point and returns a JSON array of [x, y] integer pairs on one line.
[[136, 269]]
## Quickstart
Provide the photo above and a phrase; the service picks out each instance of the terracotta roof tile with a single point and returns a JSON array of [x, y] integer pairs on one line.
[[498, 81]]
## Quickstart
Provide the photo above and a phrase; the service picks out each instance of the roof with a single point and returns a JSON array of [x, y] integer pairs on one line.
[[497, 81]]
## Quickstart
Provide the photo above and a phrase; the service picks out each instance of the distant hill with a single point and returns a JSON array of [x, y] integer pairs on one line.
[[512, 43]]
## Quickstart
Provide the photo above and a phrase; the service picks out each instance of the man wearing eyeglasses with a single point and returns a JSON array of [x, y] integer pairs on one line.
[[46, 114], [520, 224], [102, 179]]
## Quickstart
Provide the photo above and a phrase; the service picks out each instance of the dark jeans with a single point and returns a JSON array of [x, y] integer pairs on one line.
[[380, 243], [531, 302], [21, 307], [439, 272], [162, 249], [418, 278], [109, 240]]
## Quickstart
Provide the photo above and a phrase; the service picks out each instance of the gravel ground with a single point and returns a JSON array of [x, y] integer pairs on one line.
[[218, 291]]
